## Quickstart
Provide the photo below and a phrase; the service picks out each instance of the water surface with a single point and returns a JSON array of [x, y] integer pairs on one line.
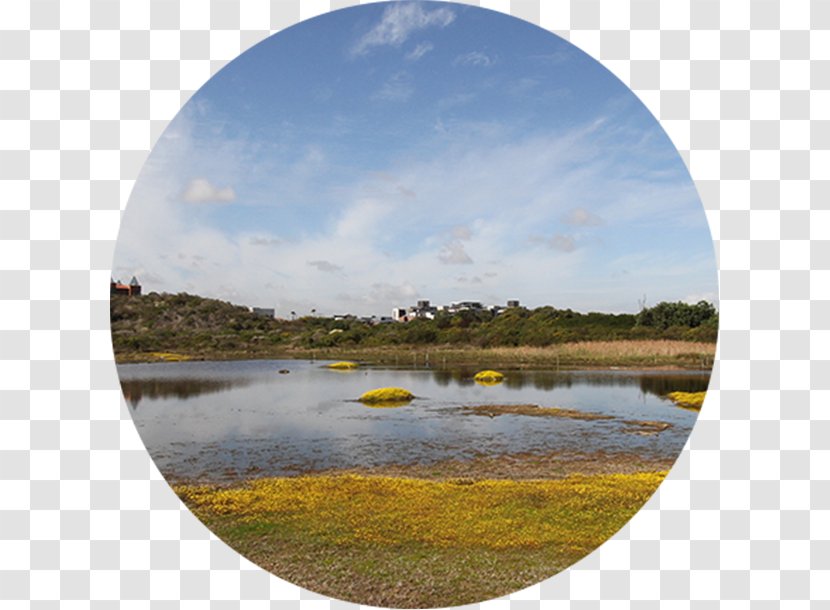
[[224, 420]]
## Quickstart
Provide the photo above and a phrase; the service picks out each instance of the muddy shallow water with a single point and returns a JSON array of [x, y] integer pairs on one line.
[[221, 421]]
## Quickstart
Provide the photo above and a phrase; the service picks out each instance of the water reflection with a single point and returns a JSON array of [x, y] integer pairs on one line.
[[225, 419], [654, 383], [135, 390]]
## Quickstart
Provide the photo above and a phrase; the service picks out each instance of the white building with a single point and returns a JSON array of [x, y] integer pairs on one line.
[[263, 312]]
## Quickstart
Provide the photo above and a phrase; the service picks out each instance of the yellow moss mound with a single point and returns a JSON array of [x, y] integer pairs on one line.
[[693, 400], [386, 397], [343, 366], [488, 377]]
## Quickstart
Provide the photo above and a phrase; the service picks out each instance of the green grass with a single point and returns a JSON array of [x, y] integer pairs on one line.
[[394, 541]]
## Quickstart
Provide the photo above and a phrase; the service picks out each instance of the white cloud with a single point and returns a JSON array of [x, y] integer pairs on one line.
[[421, 49], [462, 232], [453, 253], [200, 190], [474, 58], [399, 21]]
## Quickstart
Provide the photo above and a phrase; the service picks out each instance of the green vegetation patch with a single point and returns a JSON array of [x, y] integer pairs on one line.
[[207, 328]]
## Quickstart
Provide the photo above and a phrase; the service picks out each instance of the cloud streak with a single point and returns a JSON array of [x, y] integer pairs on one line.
[[398, 23], [580, 217], [325, 266], [419, 51], [474, 58], [398, 88]]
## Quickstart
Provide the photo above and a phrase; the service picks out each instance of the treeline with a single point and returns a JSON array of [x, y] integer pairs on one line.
[[192, 324], [538, 327], [682, 315]]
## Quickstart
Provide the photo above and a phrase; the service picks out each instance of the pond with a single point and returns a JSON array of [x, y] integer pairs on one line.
[[221, 421]]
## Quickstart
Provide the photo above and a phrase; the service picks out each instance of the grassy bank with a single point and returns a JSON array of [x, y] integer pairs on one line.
[[593, 354], [396, 541]]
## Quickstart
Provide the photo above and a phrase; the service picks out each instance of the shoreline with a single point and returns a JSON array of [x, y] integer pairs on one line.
[[623, 355], [525, 466]]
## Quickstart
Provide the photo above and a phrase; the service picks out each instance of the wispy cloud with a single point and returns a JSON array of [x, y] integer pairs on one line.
[[551, 59], [559, 241], [325, 266], [398, 88], [419, 51], [200, 190], [453, 253], [399, 21], [563, 243], [580, 217], [474, 58], [265, 241]]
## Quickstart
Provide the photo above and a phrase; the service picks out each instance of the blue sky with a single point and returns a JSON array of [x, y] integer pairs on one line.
[[417, 150]]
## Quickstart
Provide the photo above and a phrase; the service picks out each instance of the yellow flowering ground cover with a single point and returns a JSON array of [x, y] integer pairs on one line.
[[693, 400], [394, 397], [344, 365], [469, 539], [488, 376], [170, 356]]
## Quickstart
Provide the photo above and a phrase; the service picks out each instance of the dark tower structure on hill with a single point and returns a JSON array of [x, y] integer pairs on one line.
[[133, 289]]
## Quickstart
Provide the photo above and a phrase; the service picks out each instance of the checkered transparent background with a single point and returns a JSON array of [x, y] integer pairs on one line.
[[87, 86]]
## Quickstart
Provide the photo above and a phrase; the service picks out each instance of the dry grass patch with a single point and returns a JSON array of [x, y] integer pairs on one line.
[[533, 411], [645, 428]]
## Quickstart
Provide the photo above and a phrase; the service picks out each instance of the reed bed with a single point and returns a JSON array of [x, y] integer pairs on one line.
[[628, 353]]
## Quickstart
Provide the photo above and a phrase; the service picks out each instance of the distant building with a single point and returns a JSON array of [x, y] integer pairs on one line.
[[263, 312], [464, 306], [424, 310], [131, 289]]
